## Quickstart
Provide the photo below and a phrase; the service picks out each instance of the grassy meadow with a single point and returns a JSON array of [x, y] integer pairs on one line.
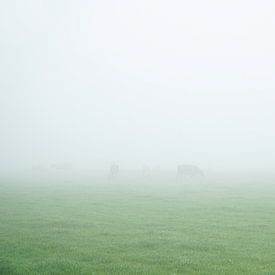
[[138, 225]]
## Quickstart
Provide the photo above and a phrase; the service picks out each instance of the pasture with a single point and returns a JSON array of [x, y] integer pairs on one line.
[[136, 225]]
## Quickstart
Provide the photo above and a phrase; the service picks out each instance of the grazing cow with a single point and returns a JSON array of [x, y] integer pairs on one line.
[[189, 170], [114, 170]]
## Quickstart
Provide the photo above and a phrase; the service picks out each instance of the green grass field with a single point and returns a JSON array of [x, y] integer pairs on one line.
[[132, 225]]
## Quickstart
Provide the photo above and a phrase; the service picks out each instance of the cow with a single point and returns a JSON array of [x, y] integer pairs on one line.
[[189, 170], [150, 170], [62, 170], [146, 171], [114, 170], [62, 166], [39, 169]]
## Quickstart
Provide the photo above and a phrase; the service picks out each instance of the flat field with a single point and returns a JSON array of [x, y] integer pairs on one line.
[[134, 225]]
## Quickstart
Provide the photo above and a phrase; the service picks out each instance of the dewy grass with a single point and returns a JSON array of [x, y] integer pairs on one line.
[[166, 225]]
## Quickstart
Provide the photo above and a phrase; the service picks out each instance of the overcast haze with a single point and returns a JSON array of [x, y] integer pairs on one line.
[[137, 82]]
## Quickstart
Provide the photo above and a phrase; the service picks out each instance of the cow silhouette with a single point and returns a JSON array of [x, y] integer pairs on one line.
[[114, 170], [189, 170], [146, 171], [66, 166]]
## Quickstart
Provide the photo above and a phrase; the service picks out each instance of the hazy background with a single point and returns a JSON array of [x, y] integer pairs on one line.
[[137, 82]]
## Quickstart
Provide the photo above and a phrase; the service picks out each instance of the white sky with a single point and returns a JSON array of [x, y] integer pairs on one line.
[[138, 82]]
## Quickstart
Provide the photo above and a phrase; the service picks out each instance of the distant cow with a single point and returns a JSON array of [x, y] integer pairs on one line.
[[62, 166], [150, 170], [189, 170], [114, 170], [146, 171], [40, 168]]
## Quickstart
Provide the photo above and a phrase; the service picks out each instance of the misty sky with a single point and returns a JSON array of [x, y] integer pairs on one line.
[[137, 82]]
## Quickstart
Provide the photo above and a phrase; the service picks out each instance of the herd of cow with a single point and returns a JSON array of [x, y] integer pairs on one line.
[[182, 170]]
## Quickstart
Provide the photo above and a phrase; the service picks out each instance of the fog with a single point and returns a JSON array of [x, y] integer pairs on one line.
[[151, 82]]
